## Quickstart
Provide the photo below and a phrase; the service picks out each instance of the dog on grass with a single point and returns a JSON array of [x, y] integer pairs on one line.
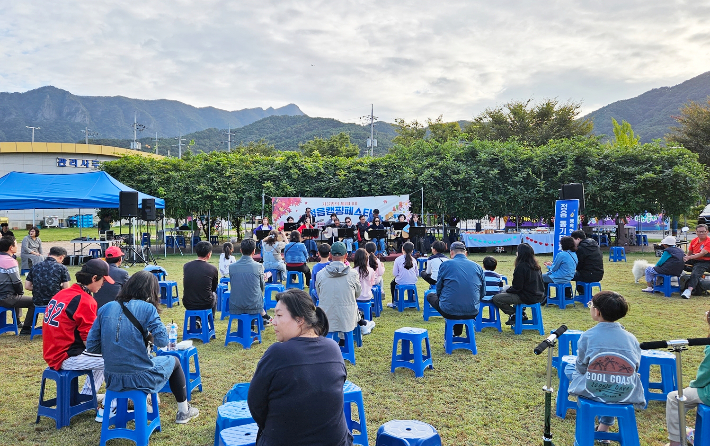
[[639, 269]]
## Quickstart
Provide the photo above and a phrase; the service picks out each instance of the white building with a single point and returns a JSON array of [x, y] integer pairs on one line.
[[62, 158]]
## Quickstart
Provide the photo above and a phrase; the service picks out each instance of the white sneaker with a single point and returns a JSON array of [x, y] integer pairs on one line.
[[686, 294], [184, 417], [391, 305]]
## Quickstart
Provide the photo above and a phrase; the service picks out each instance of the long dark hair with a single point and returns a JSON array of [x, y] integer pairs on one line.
[[371, 249], [142, 285], [299, 304], [227, 249], [526, 254], [360, 260], [408, 248]]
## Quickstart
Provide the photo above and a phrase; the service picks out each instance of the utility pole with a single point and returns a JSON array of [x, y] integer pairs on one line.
[[33, 132], [371, 141], [229, 137], [87, 133], [156, 143], [180, 139], [136, 128]]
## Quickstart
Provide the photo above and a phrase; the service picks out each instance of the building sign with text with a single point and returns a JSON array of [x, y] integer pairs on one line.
[[78, 163]]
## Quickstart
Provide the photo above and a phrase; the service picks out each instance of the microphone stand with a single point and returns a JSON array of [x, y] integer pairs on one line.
[[549, 344]]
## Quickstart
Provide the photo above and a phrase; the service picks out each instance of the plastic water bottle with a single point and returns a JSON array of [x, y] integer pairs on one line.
[[172, 336]]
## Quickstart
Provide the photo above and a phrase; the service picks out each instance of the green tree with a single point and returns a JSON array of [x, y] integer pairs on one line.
[[624, 134], [693, 131], [531, 124], [408, 132], [441, 132], [336, 145], [260, 147]]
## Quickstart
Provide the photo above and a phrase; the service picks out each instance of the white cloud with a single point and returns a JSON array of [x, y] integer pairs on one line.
[[333, 59]]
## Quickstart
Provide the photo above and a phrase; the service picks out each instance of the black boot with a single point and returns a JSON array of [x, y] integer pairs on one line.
[[511, 320]]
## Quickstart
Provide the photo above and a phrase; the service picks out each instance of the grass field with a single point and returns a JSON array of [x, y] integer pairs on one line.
[[493, 398]]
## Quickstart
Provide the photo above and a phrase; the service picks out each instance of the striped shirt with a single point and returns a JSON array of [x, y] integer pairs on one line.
[[494, 283]]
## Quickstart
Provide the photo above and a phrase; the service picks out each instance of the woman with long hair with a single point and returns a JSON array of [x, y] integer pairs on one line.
[[302, 374], [226, 259], [308, 242], [127, 364], [404, 270], [526, 288], [380, 242], [271, 253], [296, 256], [365, 273]]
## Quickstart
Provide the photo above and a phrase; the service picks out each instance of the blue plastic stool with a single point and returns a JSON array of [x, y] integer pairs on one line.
[[617, 254], [588, 410], [467, 342], [166, 293], [560, 298], [269, 290], [274, 276], [534, 323], [37, 331], [603, 240], [566, 345], [192, 379], [366, 308], [563, 402], [666, 286], [195, 239], [669, 380], [95, 253], [232, 414], [244, 435], [421, 261], [68, 402], [377, 300], [415, 358], [406, 296], [493, 319], [295, 279], [224, 305], [224, 280], [190, 330], [145, 423], [407, 433], [429, 311], [23, 272], [214, 239], [702, 426], [314, 295], [170, 241], [352, 394], [588, 291], [244, 334], [641, 239], [348, 349], [6, 326]]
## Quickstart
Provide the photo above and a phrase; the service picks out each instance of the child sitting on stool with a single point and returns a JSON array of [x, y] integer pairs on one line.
[[608, 359]]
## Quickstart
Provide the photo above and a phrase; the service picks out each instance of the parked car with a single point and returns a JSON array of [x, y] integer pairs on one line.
[[704, 217]]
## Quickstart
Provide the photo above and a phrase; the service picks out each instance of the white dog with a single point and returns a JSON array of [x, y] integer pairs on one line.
[[639, 269]]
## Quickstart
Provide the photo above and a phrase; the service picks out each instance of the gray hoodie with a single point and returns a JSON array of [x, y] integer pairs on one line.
[[338, 287]]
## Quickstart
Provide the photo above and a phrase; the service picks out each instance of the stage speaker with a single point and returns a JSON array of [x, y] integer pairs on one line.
[[573, 191], [128, 204], [148, 209], [478, 226]]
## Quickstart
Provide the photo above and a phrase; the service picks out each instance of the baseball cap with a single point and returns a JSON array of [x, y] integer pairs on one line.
[[670, 241], [113, 252], [338, 249], [97, 267], [458, 246]]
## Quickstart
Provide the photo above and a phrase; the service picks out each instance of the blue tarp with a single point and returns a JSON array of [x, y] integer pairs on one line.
[[19, 190]]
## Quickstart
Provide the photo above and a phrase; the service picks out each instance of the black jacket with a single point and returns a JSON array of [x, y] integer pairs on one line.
[[673, 266], [527, 284], [591, 263]]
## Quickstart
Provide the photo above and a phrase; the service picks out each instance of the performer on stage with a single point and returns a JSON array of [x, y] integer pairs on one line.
[[400, 235], [302, 218], [264, 226], [335, 224], [362, 226], [381, 242], [349, 241], [309, 242]]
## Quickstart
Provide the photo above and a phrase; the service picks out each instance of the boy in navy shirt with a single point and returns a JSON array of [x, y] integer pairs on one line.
[[494, 281]]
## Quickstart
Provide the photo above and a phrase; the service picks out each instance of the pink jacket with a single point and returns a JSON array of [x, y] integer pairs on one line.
[[366, 284]]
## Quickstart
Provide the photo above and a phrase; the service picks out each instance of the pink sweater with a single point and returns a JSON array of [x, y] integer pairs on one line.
[[366, 284]]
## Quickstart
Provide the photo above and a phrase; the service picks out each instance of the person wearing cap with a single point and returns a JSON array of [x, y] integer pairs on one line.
[[670, 264], [460, 286], [48, 277], [68, 319], [338, 287], [108, 292]]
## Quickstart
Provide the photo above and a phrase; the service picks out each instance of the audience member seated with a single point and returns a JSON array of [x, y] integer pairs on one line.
[[376, 264], [125, 344], [108, 292], [301, 375], [48, 277], [494, 281], [338, 287], [226, 259], [698, 259], [563, 267], [459, 288], [604, 344], [590, 262], [200, 280], [271, 256], [433, 263], [296, 256], [324, 253], [526, 288], [246, 278], [70, 315], [670, 264], [405, 270], [31, 253], [11, 284]]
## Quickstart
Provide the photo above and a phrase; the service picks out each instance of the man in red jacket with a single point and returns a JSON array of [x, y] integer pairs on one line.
[[67, 321]]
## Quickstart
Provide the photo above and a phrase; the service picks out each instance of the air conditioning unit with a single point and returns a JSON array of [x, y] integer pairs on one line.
[[52, 221]]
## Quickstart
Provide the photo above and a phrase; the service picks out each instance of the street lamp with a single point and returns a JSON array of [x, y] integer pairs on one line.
[[33, 132]]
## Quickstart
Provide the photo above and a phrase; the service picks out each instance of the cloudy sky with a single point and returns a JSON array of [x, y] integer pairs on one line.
[[412, 59]]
